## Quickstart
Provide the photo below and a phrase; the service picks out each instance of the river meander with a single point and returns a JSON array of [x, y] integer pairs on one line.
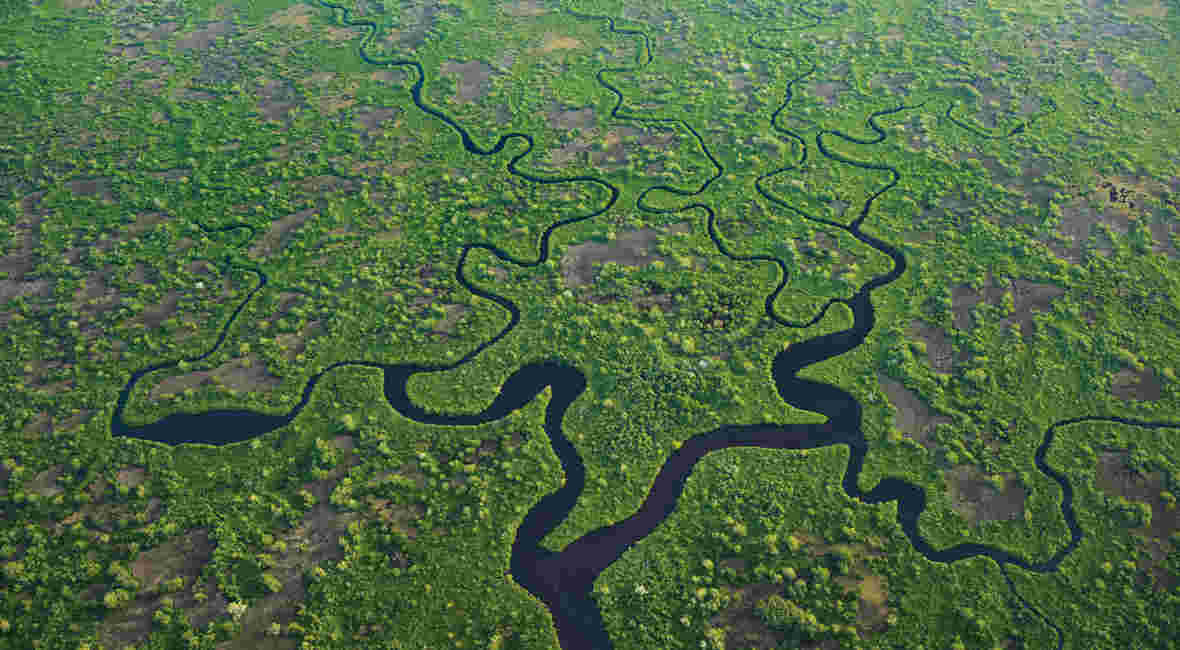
[[563, 580]]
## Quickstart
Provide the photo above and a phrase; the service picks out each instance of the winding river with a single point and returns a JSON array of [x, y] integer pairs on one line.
[[563, 580]]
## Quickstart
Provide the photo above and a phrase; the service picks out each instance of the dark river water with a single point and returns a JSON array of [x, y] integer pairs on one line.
[[564, 580]]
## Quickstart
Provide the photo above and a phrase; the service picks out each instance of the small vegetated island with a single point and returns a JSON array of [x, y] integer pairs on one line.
[[587, 324]]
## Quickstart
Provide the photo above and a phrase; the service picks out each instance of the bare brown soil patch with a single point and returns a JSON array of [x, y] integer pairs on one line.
[[143, 223], [554, 42], [14, 288], [174, 174], [280, 305], [644, 301], [324, 184], [870, 588], [139, 275], [473, 79], [939, 349], [280, 233], [914, 417], [159, 32], [453, 313], [131, 477], [630, 248], [390, 75], [817, 547], [1115, 477], [331, 95], [1142, 9], [95, 297], [892, 35], [296, 16], [616, 146], [237, 376], [45, 483], [278, 100], [824, 253], [100, 515], [379, 168], [203, 39], [742, 76], [964, 298], [38, 372], [740, 620], [409, 471], [321, 78], [1140, 385], [374, 118], [73, 422], [315, 541], [1162, 231], [977, 499], [1128, 78], [1029, 105], [153, 316], [93, 187], [21, 259], [1029, 297], [232, 375], [1026, 180], [1077, 223], [897, 83], [399, 517], [340, 34], [746, 629], [571, 151], [1126, 190], [621, 143], [523, 8], [871, 611], [581, 118], [295, 344], [154, 66], [829, 91], [1124, 202], [418, 18], [182, 557], [950, 208], [179, 556]]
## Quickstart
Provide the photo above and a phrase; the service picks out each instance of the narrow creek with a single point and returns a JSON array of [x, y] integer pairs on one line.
[[563, 580]]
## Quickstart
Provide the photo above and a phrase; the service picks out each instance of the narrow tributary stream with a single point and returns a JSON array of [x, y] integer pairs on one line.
[[563, 580]]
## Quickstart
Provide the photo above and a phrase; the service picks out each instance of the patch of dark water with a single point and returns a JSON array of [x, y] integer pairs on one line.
[[563, 580]]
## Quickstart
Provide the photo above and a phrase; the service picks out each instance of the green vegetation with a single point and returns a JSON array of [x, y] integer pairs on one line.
[[158, 160]]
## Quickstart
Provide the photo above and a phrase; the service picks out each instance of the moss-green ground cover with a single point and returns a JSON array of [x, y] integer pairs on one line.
[[1035, 201]]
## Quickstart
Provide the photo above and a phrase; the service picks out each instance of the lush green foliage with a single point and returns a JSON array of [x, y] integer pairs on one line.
[[389, 533]]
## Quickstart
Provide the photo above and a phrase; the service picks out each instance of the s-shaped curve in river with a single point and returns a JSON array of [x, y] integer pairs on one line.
[[563, 580]]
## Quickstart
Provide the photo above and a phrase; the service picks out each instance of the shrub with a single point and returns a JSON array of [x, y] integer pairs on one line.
[[785, 616], [236, 609]]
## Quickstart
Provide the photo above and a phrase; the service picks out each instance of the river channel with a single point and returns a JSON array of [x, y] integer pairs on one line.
[[563, 580]]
